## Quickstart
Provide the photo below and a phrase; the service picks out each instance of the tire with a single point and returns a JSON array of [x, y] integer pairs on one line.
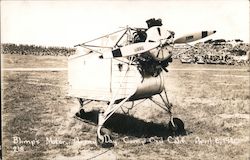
[[104, 144], [178, 129]]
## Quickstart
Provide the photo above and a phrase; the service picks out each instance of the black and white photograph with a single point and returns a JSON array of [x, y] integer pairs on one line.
[[125, 80]]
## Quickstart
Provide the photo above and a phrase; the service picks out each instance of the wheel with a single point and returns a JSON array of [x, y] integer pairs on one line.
[[77, 114], [178, 129], [80, 113], [106, 142]]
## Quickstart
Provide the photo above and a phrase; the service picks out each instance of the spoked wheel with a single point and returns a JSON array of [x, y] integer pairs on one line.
[[178, 128], [105, 140]]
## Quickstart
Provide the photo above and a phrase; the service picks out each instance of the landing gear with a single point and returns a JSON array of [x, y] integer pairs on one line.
[[104, 139], [176, 126], [106, 143], [81, 112], [82, 103]]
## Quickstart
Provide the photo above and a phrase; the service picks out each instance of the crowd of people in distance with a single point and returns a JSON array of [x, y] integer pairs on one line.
[[210, 52], [215, 53]]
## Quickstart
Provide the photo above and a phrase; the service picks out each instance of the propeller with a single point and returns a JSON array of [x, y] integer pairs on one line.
[[193, 37], [164, 37], [158, 33], [132, 49]]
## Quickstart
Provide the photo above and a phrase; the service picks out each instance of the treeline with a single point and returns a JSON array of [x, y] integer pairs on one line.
[[9, 48]]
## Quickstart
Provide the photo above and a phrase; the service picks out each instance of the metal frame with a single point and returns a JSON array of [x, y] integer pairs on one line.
[[113, 106], [86, 45], [167, 106]]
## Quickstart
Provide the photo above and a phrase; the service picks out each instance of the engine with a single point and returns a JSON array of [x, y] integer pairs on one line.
[[154, 61], [165, 37]]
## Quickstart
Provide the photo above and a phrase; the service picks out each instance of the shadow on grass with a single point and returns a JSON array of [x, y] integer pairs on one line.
[[129, 125]]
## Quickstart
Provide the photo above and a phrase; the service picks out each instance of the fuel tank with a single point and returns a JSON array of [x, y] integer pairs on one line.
[[148, 87]]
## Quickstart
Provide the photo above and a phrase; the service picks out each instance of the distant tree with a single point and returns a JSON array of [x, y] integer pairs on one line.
[[24, 49]]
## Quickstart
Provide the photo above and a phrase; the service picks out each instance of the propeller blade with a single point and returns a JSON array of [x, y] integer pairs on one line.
[[132, 49], [194, 36]]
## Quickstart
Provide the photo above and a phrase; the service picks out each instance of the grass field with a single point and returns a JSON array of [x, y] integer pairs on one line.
[[38, 123]]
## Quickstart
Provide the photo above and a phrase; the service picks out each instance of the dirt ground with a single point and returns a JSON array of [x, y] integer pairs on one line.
[[38, 123]]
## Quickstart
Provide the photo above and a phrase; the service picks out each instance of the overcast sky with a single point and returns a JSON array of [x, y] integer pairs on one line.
[[66, 23]]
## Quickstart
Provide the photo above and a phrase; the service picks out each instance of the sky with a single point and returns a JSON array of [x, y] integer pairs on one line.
[[67, 23]]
